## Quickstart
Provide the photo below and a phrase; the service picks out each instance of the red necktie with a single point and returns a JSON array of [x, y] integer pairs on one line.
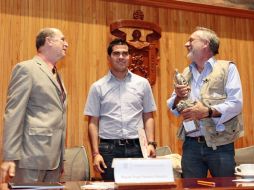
[[63, 95]]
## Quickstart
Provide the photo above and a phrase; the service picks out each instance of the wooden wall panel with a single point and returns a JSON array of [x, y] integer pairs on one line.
[[85, 24]]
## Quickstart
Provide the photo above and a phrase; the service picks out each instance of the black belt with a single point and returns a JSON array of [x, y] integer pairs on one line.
[[121, 142], [199, 139]]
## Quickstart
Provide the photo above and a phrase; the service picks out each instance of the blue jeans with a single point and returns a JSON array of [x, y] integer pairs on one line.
[[112, 150], [198, 158]]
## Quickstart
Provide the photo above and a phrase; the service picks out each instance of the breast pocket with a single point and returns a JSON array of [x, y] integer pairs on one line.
[[217, 87]]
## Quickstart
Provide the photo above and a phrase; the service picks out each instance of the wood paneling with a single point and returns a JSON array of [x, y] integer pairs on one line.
[[85, 24]]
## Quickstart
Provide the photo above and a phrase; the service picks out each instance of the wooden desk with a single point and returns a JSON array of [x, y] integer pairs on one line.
[[224, 183], [180, 184]]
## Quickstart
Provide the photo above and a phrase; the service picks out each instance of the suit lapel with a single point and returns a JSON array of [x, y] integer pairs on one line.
[[44, 67]]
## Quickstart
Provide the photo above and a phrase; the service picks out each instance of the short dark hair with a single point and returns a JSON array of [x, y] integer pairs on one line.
[[117, 41], [40, 38]]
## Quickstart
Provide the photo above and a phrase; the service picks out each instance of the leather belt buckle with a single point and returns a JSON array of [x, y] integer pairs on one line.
[[123, 142], [201, 139]]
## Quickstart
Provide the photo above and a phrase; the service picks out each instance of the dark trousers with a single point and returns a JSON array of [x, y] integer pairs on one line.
[[198, 158], [110, 149]]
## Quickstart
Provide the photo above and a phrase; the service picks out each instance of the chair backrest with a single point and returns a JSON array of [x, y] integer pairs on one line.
[[76, 164], [244, 155], [163, 150]]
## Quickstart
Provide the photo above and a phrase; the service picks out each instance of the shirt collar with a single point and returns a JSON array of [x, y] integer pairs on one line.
[[110, 76], [209, 63]]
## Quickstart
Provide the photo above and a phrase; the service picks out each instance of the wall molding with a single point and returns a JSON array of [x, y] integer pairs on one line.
[[195, 7]]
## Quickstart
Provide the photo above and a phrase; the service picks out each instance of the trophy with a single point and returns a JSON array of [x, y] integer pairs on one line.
[[186, 102], [189, 126]]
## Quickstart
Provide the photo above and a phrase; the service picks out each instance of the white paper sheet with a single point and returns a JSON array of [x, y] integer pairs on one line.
[[99, 185], [244, 180], [143, 142]]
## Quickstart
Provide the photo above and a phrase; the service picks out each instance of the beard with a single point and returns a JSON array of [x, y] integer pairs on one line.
[[193, 54], [190, 55]]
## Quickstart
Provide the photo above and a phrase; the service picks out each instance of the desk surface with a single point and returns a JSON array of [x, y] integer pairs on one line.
[[184, 184]]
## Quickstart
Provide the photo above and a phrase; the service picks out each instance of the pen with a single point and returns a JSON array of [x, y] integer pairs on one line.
[[206, 183]]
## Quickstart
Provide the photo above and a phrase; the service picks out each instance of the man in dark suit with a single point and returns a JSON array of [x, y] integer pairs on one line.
[[35, 115]]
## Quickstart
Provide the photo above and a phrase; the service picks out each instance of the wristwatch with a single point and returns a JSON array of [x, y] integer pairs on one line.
[[153, 143]]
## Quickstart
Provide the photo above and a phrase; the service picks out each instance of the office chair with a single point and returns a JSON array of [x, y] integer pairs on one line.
[[76, 165]]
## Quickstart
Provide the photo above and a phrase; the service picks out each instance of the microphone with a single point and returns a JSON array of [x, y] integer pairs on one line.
[[205, 80]]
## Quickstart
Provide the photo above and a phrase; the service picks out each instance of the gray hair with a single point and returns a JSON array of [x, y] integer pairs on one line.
[[211, 37]]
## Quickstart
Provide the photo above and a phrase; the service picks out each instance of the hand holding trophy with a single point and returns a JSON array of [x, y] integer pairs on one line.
[[186, 102]]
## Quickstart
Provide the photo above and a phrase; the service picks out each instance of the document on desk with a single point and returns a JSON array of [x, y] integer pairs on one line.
[[99, 185], [244, 180], [36, 185]]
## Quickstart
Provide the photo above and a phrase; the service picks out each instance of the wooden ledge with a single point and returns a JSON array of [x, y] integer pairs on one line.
[[195, 7]]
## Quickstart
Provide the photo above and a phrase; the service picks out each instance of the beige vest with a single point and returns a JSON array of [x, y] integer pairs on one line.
[[212, 93]]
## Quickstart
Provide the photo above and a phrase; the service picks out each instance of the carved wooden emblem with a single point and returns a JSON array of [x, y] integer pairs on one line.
[[144, 55]]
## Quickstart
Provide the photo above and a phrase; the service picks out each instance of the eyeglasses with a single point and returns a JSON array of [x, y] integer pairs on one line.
[[118, 53], [194, 39], [58, 39]]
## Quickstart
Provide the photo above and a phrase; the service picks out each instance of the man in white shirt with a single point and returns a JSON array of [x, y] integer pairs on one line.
[[117, 105]]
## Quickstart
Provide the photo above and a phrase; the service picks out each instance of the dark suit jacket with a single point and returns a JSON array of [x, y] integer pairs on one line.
[[35, 117]]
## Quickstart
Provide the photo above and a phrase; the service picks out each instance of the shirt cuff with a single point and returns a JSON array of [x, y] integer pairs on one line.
[[170, 104]]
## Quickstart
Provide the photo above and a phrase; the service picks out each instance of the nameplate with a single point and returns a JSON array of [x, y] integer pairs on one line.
[[141, 170]]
